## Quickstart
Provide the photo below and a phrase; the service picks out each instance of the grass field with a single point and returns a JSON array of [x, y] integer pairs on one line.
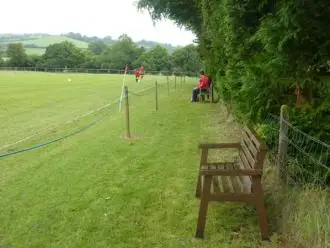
[[34, 102], [45, 41], [35, 51], [96, 189], [49, 40]]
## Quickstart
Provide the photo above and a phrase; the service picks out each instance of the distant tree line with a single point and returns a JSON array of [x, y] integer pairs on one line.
[[103, 56], [108, 40]]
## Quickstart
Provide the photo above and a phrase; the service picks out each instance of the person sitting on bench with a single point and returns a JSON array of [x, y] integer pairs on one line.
[[201, 87]]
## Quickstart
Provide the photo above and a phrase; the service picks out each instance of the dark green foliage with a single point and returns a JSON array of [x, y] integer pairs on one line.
[[186, 59], [183, 12], [64, 54], [16, 54], [260, 52], [32, 60], [2, 54], [123, 52], [97, 47], [156, 59]]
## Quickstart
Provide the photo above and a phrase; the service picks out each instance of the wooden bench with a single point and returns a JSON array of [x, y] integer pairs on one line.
[[208, 93], [233, 181]]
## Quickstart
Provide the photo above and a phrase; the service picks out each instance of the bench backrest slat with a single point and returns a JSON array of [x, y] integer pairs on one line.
[[245, 152], [244, 161], [249, 143], [253, 151]]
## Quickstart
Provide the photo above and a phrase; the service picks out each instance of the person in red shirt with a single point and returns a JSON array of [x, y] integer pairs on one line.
[[203, 85], [137, 75]]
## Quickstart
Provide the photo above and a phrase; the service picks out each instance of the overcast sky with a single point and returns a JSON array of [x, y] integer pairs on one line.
[[89, 17]]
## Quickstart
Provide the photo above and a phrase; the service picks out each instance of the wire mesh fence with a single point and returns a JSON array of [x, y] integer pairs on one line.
[[300, 158]]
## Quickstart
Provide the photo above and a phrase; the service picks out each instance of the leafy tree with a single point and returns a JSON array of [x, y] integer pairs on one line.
[[123, 52], [16, 54], [89, 60], [97, 47], [2, 55], [184, 12], [64, 54], [155, 59], [152, 44], [108, 40], [33, 60], [186, 59]]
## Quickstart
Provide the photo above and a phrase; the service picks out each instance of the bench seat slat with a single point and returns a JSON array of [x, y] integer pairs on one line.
[[232, 172], [216, 186], [225, 184], [219, 145], [245, 179], [217, 179], [235, 181]]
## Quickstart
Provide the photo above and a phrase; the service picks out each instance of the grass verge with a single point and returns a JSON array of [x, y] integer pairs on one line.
[[299, 215]]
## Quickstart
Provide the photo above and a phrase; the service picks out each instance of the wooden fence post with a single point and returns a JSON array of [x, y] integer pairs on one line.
[[156, 86], [283, 139], [128, 130]]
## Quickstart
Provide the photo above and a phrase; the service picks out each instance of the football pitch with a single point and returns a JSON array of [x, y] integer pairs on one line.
[[93, 188]]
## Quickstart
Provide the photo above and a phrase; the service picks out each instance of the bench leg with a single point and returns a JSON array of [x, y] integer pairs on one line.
[[261, 211], [203, 207], [203, 160], [199, 186]]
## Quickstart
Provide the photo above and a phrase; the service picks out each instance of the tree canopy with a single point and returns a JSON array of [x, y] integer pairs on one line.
[[262, 53], [16, 53], [64, 54]]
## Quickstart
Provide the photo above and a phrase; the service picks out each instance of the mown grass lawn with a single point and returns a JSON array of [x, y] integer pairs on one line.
[[96, 189], [37, 102]]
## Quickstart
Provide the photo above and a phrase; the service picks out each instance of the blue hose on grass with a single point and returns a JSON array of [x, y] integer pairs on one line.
[[52, 141]]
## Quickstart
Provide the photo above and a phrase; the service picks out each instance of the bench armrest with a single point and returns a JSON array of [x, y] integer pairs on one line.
[[231, 172], [219, 145]]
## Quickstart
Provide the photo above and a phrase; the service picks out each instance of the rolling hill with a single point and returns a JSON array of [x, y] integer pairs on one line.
[[43, 42], [37, 43], [35, 51]]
